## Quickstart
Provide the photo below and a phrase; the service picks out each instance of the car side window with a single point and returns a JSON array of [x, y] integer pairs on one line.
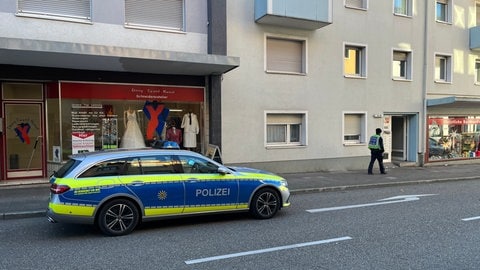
[[161, 164], [132, 167], [105, 168], [197, 165]]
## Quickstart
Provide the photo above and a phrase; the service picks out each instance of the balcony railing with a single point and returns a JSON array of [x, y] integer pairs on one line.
[[301, 14]]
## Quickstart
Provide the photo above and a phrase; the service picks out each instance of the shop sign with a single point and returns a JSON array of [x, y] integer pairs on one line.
[[83, 142], [76, 90], [453, 121]]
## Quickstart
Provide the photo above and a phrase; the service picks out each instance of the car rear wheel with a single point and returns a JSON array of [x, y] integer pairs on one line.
[[265, 203], [118, 217]]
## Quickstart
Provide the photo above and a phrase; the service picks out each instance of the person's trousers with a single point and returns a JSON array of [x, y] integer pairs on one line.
[[376, 155]]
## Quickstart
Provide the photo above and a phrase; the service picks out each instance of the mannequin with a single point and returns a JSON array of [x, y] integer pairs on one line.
[[133, 137], [190, 130], [174, 134]]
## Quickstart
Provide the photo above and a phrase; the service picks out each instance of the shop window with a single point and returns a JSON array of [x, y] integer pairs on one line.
[[22, 91], [443, 11], [65, 10], [354, 130], [360, 4], [285, 55], [401, 65], [453, 137], [443, 68], [166, 14], [285, 129], [354, 64], [402, 7]]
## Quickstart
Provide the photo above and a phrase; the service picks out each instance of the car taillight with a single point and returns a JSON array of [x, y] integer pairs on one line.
[[59, 189]]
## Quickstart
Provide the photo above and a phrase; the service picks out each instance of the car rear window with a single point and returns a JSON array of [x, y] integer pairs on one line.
[[66, 168]]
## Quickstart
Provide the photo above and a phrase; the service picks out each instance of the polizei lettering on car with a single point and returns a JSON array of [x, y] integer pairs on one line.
[[212, 192]]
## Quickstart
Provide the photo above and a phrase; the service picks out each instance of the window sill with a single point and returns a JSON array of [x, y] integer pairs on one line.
[[154, 28], [286, 73], [444, 22], [401, 80], [347, 144], [403, 15], [442, 82], [357, 8], [354, 77], [55, 18], [290, 146]]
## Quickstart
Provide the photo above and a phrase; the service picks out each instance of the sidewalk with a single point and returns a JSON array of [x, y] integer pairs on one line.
[[30, 198]]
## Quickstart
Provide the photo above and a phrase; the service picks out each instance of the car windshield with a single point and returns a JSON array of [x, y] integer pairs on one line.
[[67, 167]]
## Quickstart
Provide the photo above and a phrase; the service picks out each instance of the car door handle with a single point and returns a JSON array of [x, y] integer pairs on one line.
[[137, 183], [192, 180]]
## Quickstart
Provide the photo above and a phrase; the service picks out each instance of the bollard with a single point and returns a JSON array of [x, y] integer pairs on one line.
[[421, 159]]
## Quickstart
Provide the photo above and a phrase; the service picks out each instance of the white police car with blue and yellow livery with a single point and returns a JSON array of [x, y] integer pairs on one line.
[[118, 189]]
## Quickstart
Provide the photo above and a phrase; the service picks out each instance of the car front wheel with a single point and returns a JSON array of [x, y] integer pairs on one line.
[[265, 203], [118, 217]]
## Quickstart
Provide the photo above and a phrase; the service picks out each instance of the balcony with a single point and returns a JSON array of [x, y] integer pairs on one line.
[[475, 38], [301, 14]]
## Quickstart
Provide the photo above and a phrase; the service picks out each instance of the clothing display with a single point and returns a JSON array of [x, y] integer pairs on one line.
[[190, 130], [174, 134], [133, 137], [156, 113]]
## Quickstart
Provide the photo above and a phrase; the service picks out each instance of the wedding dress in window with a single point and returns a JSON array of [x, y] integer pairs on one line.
[[133, 137]]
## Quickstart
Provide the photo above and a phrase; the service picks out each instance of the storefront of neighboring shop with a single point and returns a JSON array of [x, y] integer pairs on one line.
[[44, 123], [453, 129]]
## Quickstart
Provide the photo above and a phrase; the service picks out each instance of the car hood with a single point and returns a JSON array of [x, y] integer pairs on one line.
[[251, 170]]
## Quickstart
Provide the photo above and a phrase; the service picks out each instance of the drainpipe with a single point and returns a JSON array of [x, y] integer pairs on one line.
[[423, 120]]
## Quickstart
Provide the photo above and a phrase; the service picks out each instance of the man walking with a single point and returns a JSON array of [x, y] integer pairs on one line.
[[376, 149]]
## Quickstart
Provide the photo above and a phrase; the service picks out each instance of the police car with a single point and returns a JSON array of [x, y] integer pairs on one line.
[[118, 189]]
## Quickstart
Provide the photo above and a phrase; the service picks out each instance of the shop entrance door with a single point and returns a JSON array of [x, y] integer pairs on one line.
[[24, 144]]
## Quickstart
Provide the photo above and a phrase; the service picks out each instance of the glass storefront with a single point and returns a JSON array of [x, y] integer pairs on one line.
[[85, 117], [453, 137]]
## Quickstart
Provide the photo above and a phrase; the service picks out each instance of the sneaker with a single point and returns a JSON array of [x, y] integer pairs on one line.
[[383, 173]]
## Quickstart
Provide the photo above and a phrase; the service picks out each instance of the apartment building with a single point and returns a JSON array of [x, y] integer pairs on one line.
[[318, 77], [74, 74]]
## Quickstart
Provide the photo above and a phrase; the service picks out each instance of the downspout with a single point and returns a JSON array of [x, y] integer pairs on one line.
[[422, 133]]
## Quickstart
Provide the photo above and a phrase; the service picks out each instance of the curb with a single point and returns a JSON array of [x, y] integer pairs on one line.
[[23, 214]]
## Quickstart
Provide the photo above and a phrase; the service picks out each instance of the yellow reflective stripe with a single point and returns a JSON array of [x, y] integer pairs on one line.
[[163, 211], [209, 208], [67, 209]]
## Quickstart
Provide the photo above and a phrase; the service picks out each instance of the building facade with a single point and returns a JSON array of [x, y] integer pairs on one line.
[[318, 77], [89, 75]]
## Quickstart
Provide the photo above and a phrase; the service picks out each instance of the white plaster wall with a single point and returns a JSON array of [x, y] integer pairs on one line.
[[324, 92]]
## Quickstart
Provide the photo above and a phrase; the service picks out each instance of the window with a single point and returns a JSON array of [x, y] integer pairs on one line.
[[105, 168], [164, 14], [285, 55], [401, 65], [443, 68], [361, 4], [79, 10], [402, 7], [354, 64], [477, 71], [192, 164], [443, 9], [354, 127], [285, 129]]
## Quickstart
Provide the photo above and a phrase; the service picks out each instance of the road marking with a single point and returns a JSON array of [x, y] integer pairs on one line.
[[396, 199], [470, 218], [259, 251]]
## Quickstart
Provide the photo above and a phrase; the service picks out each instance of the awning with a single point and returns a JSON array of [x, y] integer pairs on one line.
[[27, 52], [454, 102]]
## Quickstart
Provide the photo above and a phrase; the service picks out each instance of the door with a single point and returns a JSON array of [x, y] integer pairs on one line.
[[24, 143]]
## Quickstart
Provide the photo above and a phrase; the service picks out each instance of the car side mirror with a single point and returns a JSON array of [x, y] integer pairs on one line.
[[222, 170]]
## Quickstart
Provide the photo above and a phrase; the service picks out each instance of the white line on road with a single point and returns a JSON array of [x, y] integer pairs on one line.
[[252, 252], [470, 218], [396, 199]]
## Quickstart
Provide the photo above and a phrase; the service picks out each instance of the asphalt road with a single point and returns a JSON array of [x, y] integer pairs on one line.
[[427, 226]]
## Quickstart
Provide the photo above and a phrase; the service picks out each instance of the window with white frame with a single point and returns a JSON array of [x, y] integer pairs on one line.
[[443, 68], [477, 71], [354, 130], [354, 64], [401, 65], [402, 7], [164, 14], [285, 55], [79, 10], [286, 128], [443, 11], [361, 4]]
